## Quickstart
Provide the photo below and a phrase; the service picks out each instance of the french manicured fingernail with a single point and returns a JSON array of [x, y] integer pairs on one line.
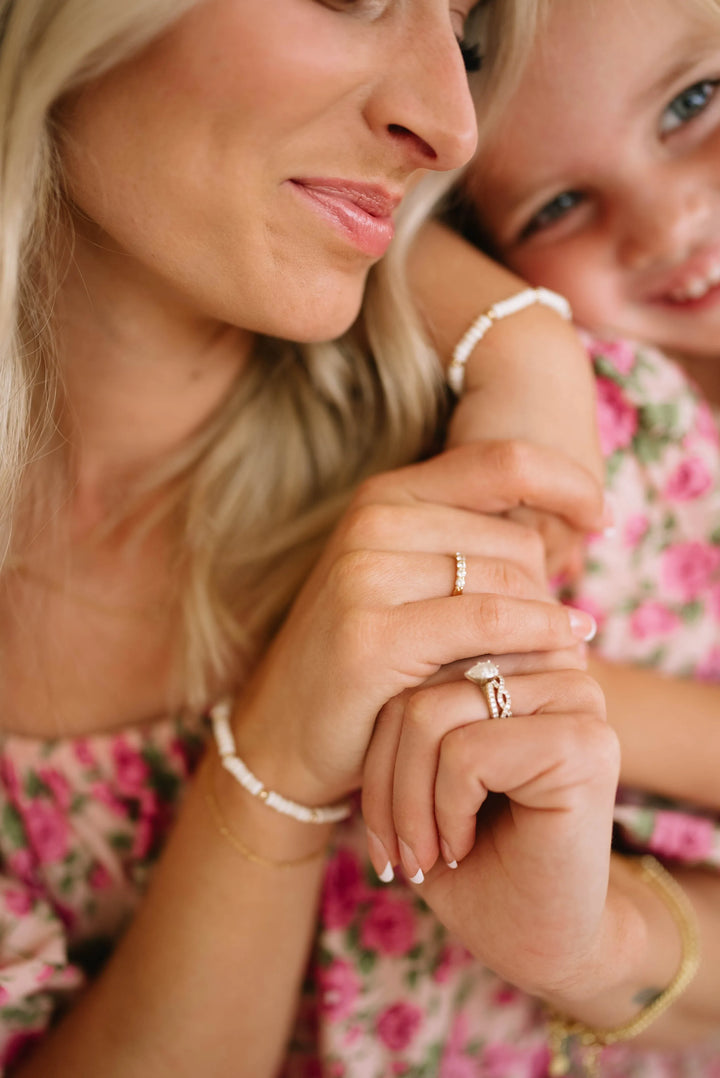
[[583, 625], [447, 854], [409, 863], [379, 857]]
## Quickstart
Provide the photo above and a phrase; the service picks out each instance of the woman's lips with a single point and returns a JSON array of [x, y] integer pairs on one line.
[[361, 212]]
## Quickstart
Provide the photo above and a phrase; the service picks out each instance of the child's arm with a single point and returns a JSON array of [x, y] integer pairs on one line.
[[669, 731], [528, 378]]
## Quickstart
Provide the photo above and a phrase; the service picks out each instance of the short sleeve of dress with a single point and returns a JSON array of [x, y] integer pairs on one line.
[[36, 976]]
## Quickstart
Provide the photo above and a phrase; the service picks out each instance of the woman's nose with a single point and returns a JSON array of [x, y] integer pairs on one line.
[[422, 102], [663, 224]]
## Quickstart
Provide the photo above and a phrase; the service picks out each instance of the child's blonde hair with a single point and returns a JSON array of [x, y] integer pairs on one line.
[[252, 496]]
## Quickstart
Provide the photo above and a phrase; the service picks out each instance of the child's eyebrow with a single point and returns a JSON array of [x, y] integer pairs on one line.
[[694, 51]]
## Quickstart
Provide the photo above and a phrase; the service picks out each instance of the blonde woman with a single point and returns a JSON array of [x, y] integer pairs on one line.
[[202, 516]]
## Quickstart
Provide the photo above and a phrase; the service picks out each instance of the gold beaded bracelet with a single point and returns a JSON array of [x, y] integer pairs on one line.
[[591, 1041]]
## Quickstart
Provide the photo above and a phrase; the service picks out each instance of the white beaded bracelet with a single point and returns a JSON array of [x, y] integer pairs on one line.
[[222, 731], [505, 307]]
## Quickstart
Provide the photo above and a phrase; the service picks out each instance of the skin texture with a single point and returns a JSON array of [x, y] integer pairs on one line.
[[642, 220], [343, 108]]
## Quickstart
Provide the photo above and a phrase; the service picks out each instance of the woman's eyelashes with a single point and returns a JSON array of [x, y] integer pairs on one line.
[[371, 9], [687, 105], [471, 55], [553, 211]]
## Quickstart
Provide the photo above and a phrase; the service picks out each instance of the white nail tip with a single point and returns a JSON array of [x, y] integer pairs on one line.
[[387, 875], [452, 864], [418, 877]]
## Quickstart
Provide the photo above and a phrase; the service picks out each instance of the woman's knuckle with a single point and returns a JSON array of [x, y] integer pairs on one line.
[[364, 524], [581, 692], [511, 580], [456, 751], [533, 547], [512, 459], [421, 710], [353, 576], [491, 618]]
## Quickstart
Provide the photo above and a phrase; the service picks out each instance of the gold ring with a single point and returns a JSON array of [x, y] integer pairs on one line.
[[460, 574], [486, 674]]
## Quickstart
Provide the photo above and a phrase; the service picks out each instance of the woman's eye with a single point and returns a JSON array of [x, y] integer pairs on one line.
[[687, 105], [471, 56], [372, 9], [551, 212]]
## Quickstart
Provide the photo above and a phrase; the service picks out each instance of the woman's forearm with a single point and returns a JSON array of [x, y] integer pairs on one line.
[[207, 978]]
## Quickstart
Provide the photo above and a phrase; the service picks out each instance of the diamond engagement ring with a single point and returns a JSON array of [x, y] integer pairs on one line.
[[486, 674]]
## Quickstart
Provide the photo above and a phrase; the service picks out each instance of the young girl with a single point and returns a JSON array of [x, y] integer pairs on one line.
[[601, 182]]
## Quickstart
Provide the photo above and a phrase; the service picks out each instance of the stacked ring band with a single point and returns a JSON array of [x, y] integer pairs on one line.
[[486, 674], [460, 574]]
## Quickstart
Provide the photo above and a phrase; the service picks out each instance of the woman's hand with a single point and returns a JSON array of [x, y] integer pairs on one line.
[[528, 896], [377, 616]]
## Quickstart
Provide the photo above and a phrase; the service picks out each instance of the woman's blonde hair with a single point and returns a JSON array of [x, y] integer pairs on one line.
[[252, 496]]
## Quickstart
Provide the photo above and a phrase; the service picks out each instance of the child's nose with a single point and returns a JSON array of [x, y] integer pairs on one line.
[[663, 225]]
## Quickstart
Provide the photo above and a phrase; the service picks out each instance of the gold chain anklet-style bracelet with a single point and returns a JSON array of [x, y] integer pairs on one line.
[[591, 1041]]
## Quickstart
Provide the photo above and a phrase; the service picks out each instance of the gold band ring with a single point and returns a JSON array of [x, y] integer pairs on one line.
[[460, 574]]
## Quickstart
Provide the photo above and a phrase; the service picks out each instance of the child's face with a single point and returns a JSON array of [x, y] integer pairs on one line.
[[602, 180]]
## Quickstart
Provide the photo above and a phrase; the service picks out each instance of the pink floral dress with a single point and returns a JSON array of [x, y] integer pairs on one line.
[[389, 992]]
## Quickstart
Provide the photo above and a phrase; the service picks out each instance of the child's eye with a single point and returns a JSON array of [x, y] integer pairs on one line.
[[686, 105], [551, 212]]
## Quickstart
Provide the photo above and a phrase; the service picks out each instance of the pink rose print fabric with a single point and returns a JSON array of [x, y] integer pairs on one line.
[[655, 584], [82, 823], [389, 993]]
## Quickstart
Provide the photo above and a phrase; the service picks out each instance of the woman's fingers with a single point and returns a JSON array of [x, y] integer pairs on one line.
[[495, 476], [525, 762], [422, 784], [395, 578], [441, 529], [529, 897]]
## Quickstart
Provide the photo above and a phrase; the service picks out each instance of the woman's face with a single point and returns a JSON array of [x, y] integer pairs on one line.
[[247, 165]]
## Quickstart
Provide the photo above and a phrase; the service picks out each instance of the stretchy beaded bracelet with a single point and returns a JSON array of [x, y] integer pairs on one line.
[[527, 298], [225, 741]]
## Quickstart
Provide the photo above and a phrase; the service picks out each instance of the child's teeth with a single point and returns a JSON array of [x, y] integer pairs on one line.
[[696, 288]]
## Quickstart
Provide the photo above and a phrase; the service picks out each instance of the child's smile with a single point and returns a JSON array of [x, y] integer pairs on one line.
[[603, 179]]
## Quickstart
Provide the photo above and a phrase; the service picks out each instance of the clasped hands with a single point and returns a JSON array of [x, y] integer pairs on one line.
[[364, 686]]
